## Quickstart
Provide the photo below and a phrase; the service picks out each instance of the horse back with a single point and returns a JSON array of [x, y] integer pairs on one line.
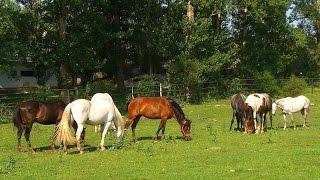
[[43, 112], [237, 102], [150, 107]]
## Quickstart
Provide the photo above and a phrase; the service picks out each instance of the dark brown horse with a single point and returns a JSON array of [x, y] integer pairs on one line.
[[237, 102], [43, 112], [163, 108]]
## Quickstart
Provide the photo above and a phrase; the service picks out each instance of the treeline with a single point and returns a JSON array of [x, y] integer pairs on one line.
[[194, 42]]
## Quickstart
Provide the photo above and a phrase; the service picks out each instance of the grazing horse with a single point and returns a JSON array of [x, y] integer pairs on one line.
[[163, 108], [43, 112], [268, 108], [237, 102], [100, 110], [255, 108], [291, 105]]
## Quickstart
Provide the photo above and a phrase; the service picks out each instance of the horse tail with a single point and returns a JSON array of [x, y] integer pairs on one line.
[[119, 121], [63, 134], [17, 120], [178, 112]]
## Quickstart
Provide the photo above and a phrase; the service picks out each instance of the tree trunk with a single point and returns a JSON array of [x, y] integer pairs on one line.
[[190, 15], [117, 46], [65, 79], [245, 27]]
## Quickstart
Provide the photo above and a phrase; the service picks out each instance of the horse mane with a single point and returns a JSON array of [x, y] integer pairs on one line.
[[176, 108], [239, 102]]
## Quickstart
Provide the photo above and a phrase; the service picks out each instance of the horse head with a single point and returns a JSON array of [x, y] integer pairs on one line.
[[185, 129], [274, 108], [249, 120]]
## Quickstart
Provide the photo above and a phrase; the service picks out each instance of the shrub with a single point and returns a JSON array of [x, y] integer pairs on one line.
[[148, 87], [294, 86], [267, 83], [235, 86], [103, 86]]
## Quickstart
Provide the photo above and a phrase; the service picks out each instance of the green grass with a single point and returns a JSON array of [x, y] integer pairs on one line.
[[214, 153]]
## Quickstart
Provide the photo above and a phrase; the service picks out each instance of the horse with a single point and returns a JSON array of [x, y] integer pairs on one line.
[[255, 107], [237, 102], [99, 110], [43, 112], [291, 105], [163, 108], [268, 108]]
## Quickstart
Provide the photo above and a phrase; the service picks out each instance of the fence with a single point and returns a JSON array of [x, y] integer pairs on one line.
[[9, 97]]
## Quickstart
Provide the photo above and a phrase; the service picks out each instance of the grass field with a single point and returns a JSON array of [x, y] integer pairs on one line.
[[214, 153]]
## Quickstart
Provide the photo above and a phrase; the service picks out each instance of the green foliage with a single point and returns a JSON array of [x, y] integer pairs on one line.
[[267, 83], [235, 86], [295, 86], [147, 87], [102, 86]]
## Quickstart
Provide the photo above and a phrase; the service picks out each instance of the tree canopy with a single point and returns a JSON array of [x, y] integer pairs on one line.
[[194, 42]]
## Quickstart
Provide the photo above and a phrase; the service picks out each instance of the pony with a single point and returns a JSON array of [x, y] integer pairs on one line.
[[291, 105], [255, 107], [237, 102], [163, 108], [99, 110], [268, 108], [43, 112]]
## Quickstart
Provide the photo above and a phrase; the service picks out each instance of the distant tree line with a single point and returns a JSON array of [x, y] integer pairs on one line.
[[193, 42]]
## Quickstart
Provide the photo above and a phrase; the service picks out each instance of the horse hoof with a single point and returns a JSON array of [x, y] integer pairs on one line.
[[102, 148], [81, 152]]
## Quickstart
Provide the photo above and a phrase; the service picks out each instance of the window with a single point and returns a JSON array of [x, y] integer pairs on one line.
[[27, 73]]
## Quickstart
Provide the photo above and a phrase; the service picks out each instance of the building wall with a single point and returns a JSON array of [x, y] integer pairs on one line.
[[24, 81]]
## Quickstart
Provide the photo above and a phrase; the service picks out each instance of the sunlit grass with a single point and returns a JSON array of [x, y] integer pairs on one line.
[[215, 152]]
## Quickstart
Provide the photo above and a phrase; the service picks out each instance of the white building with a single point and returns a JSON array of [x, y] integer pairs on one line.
[[25, 78]]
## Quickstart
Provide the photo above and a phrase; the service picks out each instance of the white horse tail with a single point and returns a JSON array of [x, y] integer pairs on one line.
[[63, 134], [119, 122]]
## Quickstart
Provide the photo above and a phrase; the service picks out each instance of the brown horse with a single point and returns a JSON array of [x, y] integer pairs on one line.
[[43, 112], [237, 102], [163, 108]]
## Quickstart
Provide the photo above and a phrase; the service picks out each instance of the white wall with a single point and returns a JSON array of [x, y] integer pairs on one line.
[[19, 81]]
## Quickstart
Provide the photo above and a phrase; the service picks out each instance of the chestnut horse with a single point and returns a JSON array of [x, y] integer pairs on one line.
[[43, 112], [237, 102], [163, 108]]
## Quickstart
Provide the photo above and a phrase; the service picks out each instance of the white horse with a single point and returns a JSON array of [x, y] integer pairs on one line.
[[291, 105], [100, 110]]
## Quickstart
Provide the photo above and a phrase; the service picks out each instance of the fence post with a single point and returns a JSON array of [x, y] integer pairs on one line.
[[160, 90], [132, 92]]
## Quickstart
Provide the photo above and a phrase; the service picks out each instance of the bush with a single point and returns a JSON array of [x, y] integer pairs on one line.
[[294, 86], [147, 87], [103, 86], [267, 83], [235, 86]]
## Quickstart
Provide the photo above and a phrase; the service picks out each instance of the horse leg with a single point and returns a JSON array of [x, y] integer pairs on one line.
[[27, 137], [78, 137], [304, 114], [103, 134], [284, 122], [133, 128], [270, 117], [19, 134], [162, 126], [232, 120], [292, 120]]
